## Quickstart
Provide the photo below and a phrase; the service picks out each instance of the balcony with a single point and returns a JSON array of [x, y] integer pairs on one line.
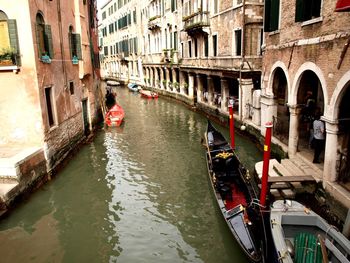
[[154, 22], [194, 23]]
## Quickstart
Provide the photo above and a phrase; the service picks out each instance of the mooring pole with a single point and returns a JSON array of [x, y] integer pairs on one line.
[[266, 162], [232, 127]]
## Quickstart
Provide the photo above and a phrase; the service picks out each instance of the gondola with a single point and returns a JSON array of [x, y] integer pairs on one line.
[[234, 194], [300, 235]]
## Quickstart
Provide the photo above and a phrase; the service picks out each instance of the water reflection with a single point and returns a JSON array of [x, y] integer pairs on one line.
[[137, 193]]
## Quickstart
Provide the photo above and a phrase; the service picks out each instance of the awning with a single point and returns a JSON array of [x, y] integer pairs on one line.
[[342, 6]]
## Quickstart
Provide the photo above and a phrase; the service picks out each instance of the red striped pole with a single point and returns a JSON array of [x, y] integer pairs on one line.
[[232, 127], [265, 172]]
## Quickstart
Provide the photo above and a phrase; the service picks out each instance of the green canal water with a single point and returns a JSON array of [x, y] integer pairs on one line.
[[137, 193]]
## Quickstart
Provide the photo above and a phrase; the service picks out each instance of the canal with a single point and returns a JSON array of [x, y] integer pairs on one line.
[[136, 193]]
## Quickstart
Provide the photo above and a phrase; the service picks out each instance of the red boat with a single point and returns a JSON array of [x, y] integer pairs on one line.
[[148, 94], [114, 116]]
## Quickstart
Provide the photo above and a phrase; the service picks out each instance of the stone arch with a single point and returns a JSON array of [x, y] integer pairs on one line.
[[333, 110], [282, 66], [296, 83]]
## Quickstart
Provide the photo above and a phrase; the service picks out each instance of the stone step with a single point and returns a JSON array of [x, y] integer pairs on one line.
[[291, 167]]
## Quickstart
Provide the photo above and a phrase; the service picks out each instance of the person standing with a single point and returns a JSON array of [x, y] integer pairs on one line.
[[319, 137]]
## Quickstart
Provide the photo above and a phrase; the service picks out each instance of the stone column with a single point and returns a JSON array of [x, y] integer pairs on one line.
[[173, 73], [331, 151], [245, 100], [182, 82], [161, 78], [293, 130], [190, 85], [224, 94], [199, 88], [167, 78], [210, 90]]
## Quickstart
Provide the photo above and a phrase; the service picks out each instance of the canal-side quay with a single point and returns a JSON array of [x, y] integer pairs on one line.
[[24, 170]]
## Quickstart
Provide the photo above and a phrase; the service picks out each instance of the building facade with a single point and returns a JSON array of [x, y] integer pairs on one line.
[[49, 75], [305, 59], [269, 57]]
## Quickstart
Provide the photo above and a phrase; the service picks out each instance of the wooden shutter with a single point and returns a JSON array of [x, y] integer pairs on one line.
[[13, 36], [267, 16], [275, 14], [77, 42], [299, 8], [48, 41]]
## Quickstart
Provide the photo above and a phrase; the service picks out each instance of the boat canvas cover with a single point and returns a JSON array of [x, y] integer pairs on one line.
[[342, 6]]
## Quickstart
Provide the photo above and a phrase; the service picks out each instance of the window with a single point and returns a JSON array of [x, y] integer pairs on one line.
[[215, 45], [307, 10], [182, 49], [9, 38], [206, 46], [49, 106], [71, 87], [195, 47], [215, 6], [173, 5], [175, 40], [74, 44], [189, 48], [272, 13], [44, 37], [238, 42]]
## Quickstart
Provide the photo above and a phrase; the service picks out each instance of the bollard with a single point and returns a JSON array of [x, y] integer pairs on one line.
[[232, 132], [266, 162]]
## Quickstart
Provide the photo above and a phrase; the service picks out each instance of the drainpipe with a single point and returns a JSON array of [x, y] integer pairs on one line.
[[242, 62], [59, 15]]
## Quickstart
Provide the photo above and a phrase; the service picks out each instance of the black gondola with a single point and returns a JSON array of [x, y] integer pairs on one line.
[[234, 194]]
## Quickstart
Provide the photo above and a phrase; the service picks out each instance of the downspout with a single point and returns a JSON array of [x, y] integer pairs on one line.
[[59, 15], [242, 62]]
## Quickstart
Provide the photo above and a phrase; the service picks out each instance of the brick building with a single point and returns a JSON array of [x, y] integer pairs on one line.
[[304, 57], [49, 79]]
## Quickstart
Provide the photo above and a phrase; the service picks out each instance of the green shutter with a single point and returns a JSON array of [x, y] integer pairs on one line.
[[77, 41], [275, 13], [48, 41], [299, 11], [13, 36], [267, 16]]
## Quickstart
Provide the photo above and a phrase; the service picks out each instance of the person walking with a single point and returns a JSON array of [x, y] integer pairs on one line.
[[319, 137]]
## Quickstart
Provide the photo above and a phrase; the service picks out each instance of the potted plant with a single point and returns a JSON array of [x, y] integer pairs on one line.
[[8, 57], [176, 86], [45, 58]]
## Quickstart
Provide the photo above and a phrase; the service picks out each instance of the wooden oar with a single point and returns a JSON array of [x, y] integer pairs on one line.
[[323, 249]]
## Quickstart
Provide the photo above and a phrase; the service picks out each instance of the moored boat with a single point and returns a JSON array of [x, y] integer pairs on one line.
[[234, 194], [148, 94], [115, 116], [133, 87], [301, 235], [113, 83]]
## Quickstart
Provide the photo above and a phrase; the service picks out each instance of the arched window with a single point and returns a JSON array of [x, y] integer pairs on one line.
[[44, 37], [74, 44], [9, 47]]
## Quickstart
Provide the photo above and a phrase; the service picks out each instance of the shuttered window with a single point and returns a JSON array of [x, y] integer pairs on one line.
[[272, 15], [9, 37], [44, 37], [307, 9], [74, 44]]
